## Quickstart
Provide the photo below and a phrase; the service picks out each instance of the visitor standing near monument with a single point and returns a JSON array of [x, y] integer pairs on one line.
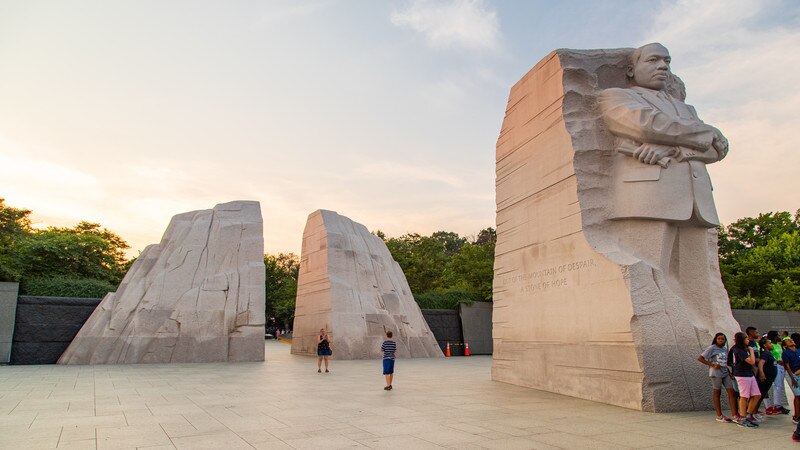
[[716, 358], [778, 392], [743, 359], [389, 347], [752, 334], [791, 361], [767, 370], [324, 349]]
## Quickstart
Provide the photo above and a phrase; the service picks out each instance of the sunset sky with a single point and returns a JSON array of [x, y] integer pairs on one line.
[[129, 112]]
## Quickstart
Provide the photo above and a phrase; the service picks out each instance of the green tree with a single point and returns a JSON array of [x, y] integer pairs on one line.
[[422, 259], [444, 268], [760, 261], [487, 236], [281, 286], [85, 260], [751, 232], [471, 270], [84, 251], [755, 270], [452, 241], [15, 225]]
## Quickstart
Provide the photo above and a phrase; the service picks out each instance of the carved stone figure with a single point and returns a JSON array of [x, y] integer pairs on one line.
[[350, 286], [198, 296], [668, 146], [607, 281]]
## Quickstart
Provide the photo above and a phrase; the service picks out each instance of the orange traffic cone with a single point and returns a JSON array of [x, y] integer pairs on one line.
[[447, 352], [466, 348]]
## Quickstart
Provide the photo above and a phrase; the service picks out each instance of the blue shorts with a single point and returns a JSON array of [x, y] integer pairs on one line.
[[388, 366], [327, 352]]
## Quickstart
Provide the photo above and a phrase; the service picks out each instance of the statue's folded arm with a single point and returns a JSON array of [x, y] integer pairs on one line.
[[627, 116]]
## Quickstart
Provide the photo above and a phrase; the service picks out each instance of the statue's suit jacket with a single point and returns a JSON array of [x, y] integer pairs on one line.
[[680, 192]]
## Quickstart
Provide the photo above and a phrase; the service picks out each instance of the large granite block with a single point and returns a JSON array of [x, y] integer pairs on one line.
[[350, 285], [606, 288], [198, 296]]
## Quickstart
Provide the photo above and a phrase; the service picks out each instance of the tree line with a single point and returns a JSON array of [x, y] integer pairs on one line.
[[759, 258], [759, 263], [81, 261]]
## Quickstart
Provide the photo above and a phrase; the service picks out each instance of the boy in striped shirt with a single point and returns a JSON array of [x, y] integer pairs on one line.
[[389, 347]]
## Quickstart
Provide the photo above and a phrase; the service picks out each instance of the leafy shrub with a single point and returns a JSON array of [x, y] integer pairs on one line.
[[66, 287]]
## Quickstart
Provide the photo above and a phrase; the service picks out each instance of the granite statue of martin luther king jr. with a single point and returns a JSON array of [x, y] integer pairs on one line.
[[661, 206]]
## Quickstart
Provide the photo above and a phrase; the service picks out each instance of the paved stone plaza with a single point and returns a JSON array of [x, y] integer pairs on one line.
[[285, 403]]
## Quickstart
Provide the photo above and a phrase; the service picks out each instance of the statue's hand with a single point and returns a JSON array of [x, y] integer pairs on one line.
[[720, 144], [653, 153]]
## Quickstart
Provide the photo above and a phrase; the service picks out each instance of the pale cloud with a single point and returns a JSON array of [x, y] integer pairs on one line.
[[741, 74], [468, 24]]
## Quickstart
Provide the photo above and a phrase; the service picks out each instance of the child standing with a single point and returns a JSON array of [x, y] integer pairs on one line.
[[716, 358], [389, 347]]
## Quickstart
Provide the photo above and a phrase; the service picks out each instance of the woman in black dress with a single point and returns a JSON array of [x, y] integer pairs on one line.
[[324, 344]]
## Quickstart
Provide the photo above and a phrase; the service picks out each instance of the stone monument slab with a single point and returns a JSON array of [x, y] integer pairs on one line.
[[606, 285], [350, 285], [8, 311], [198, 296]]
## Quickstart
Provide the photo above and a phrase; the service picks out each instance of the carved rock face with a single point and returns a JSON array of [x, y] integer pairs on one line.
[[350, 286], [198, 296]]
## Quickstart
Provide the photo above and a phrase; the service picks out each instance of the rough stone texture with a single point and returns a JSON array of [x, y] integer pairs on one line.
[[574, 313], [445, 324], [476, 321], [198, 296], [45, 326], [8, 308], [350, 285]]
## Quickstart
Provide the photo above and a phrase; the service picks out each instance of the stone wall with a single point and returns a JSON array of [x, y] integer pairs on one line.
[[768, 320], [45, 326], [445, 325], [476, 321]]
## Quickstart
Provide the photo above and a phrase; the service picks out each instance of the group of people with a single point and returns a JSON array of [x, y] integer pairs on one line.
[[749, 370], [388, 347]]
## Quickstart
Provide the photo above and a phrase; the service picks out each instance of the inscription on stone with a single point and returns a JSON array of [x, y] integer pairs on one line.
[[541, 280]]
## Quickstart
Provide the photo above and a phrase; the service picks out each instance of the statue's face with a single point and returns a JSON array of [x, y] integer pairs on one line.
[[652, 68]]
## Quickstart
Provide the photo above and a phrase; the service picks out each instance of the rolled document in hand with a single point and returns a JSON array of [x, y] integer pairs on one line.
[[629, 148]]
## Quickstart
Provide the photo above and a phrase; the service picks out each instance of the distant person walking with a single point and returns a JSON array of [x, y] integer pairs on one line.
[[324, 345], [716, 358], [389, 347], [743, 359]]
